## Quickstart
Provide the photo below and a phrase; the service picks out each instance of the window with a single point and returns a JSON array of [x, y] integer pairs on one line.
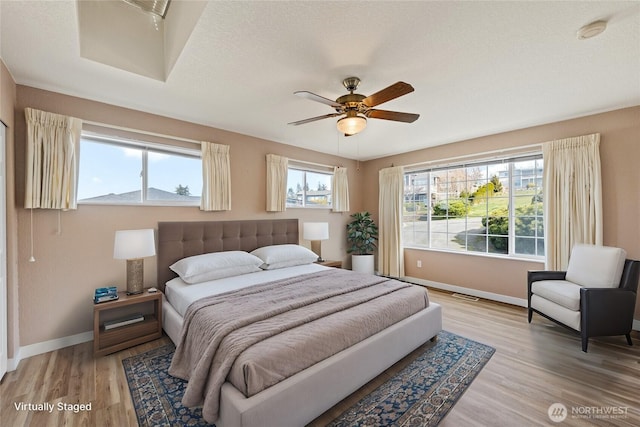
[[491, 207], [114, 171], [308, 188]]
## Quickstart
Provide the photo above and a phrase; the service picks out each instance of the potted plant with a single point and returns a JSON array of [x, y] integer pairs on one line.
[[362, 234]]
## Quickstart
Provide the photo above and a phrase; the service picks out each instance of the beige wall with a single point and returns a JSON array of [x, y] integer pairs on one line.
[[56, 290], [7, 103], [620, 156]]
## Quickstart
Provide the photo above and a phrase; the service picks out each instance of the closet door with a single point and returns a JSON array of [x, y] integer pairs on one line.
[[3, 254]]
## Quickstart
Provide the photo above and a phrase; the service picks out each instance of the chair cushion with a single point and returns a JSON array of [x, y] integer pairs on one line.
[[561, 292], [559, 313], [596, 266]]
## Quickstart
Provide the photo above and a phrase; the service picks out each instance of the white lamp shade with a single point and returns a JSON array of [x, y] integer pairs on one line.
[[132, 244], [315, 230]]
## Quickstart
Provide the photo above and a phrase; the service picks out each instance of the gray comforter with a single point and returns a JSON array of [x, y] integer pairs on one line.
[[258, 336]]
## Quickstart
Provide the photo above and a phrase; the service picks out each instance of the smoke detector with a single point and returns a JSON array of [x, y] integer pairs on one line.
[[592, 30]]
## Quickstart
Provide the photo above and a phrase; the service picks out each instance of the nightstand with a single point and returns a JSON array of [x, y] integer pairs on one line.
[[119, 338], [327, 263]]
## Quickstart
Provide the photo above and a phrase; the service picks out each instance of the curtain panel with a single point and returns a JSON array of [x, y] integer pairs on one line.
[[52, 155], [390, 253], [572, 196], [340, 188], [216, 177], [276, 183]]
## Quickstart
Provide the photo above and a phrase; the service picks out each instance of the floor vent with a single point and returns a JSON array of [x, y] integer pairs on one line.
[[465, 297]]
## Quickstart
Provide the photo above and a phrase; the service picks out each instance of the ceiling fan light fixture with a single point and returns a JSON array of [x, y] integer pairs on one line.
[[352, 124]]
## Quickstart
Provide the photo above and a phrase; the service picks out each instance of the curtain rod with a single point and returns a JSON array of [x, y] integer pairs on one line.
[[143, 132], [470, 156]]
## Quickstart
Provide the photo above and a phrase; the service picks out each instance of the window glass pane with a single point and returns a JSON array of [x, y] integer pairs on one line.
[[174, 178], [295, 187], [498, 245], [476, 242], [109, 173], [525, 245], [439, 240]]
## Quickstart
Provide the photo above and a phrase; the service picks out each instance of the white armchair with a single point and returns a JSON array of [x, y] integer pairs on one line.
[[596, 296]]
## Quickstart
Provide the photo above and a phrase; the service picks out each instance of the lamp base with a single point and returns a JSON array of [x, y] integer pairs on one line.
[[135, 271], [316, 247]]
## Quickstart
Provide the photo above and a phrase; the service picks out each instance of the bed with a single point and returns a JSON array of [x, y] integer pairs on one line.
[[297, 400]]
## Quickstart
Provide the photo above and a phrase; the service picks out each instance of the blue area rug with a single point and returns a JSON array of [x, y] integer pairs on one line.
[[420, 394]]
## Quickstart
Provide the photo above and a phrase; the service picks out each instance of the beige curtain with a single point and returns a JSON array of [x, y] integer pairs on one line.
[[276, 183], [572, 196], [53, 148], [216, 177], [340, 188], [390, 253]]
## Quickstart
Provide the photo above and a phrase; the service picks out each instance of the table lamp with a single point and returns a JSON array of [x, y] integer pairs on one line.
[[316, 232], [133, 245]]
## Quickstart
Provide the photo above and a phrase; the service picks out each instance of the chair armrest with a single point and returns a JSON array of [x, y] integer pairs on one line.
[[607, 311], [538, 275]]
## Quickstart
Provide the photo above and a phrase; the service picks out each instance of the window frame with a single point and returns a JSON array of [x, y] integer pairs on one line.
[[479, 161], [145, 148], [306, 167]]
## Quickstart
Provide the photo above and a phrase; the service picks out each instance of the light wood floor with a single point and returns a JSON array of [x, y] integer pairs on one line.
[[534, 366]]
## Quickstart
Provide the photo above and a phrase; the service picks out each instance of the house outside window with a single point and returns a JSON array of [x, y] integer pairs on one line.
[[309, 187], [493, 207], [124, 172]]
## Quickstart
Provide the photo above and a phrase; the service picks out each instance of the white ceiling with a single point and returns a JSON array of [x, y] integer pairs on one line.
[[478, 68]]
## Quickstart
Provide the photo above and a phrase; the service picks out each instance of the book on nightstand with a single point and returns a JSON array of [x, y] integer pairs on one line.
[[105, 294], [134, 318]]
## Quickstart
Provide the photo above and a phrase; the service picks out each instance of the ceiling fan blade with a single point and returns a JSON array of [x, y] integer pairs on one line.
[[392, 115], [313, 119], [317, 98], [387, 94]]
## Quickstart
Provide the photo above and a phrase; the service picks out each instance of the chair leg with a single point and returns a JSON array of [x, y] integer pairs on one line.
[[629, 339], [585, 342], [530, 314]]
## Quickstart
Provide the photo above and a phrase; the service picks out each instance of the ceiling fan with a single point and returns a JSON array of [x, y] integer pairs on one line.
[[357, 108]]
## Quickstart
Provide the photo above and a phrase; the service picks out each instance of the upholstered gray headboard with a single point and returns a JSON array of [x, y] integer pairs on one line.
[[177, 240]]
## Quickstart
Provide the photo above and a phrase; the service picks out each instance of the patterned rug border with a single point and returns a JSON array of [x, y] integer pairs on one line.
[[446, 369]]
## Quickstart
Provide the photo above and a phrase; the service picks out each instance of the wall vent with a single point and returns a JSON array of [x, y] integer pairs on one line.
[[465, 297]]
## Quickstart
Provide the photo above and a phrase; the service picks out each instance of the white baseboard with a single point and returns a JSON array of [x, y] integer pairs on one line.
[[46, 346], [486, 295], [468, 291]]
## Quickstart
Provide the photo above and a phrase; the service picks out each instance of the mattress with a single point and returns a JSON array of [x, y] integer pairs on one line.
[[181, 294]]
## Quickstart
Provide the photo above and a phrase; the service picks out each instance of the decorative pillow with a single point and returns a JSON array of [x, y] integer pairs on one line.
[[280, 256], [216, 265]]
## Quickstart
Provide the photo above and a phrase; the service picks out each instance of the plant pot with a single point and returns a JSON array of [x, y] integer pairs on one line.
[[363, 263]]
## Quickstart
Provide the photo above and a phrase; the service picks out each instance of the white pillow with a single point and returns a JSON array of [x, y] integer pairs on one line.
[[215, 265], [280, 256]]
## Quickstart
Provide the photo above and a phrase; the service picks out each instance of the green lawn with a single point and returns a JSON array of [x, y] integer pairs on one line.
[[481, 207], [523, 198]]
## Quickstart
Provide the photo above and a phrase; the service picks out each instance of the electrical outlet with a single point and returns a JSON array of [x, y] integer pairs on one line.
[[419, 263]]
